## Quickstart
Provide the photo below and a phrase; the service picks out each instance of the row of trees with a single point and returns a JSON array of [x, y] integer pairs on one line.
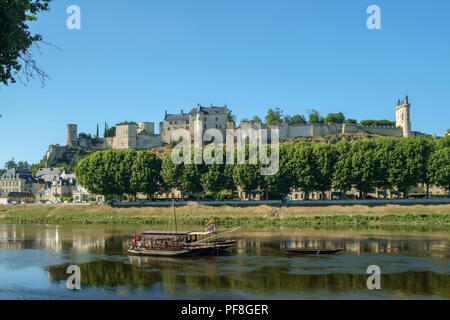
[[276, 115], [387, 163]]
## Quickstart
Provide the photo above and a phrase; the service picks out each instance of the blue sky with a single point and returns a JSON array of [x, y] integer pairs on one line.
[[132, 60]]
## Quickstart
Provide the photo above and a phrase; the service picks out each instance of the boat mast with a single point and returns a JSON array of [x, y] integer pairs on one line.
[[175, 218]]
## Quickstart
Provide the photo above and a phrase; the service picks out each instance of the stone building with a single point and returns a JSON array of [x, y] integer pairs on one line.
[[19, 180], [58, 184], [211, 117]]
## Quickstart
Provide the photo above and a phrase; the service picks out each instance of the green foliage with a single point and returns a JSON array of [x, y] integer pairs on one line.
[[191, 179], [231, 117], [16, 39], [364, 165], [83, 135], [274, 116], [298, 119], [314, 117], [325, 158], [409, 166], [127, 122], [19, 165], [352, 121], [443, 142], [386, 163], [342, 175], [213, 179], [145, 176], [335, 118], [304, 170], [247, 175], [281, 182], [110, 132], [439, 167], [377, 123], [171, 173], [256, 119]]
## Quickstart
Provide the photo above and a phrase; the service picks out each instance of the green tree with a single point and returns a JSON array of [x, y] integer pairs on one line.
[[190, 182], [281, 182], [325, 157], [335, 118], [410, 163], [352, 121], [439, 168], [228, 182], [97, 174], [443, 142], [363, 166], [314, 117], [384, 158], [213, 179], [256, 119], [171, 173], [298, 119], [304, 170], [16, 40], [145, 176], [247, 175], [342, 179], [274, 116], [377, 123], [231, 117]]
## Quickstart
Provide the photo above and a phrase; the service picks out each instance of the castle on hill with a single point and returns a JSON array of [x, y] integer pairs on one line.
[[142, 136]]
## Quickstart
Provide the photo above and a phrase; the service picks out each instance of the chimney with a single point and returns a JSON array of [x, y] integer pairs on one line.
[[182, 112]]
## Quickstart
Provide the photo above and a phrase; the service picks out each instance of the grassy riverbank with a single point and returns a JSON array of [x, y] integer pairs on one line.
[[429, 215]]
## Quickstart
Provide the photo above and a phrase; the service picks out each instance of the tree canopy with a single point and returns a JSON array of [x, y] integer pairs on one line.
[[16, 40]]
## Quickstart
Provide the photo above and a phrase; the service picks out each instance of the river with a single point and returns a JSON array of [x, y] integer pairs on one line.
[[34, 261]]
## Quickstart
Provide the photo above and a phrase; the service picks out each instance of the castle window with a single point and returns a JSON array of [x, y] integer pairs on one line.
[[217, 119]]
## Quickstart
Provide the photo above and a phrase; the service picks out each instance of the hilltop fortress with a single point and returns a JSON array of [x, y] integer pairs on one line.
[[142, 136]]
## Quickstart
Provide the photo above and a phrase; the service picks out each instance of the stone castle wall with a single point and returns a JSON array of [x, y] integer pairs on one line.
[[322, 129]]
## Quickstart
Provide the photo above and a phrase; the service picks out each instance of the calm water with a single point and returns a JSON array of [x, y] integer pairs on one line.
[[34, 260]]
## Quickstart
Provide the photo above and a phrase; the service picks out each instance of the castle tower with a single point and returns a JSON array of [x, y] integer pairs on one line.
[[71, 135], [126, 136], [402, 116]]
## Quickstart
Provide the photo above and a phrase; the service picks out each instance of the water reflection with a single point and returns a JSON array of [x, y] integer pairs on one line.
[[257, 266]]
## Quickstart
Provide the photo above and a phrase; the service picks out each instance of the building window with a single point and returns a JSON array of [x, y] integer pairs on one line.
[[217, 119]]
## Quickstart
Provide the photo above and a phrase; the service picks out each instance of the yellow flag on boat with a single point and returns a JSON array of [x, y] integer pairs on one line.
[[211, 221]]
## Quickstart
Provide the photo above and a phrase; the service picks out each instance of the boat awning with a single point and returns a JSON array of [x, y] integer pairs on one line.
[[199, 233], [166, 233]]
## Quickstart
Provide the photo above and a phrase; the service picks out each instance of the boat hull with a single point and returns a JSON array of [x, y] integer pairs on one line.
[[187, 251]]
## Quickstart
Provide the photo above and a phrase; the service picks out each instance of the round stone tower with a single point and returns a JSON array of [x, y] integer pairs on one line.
[[402, 116], [72, 135]]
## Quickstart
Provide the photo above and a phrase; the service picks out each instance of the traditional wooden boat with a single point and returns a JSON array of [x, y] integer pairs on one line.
[[180, 243], [313, 251]]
